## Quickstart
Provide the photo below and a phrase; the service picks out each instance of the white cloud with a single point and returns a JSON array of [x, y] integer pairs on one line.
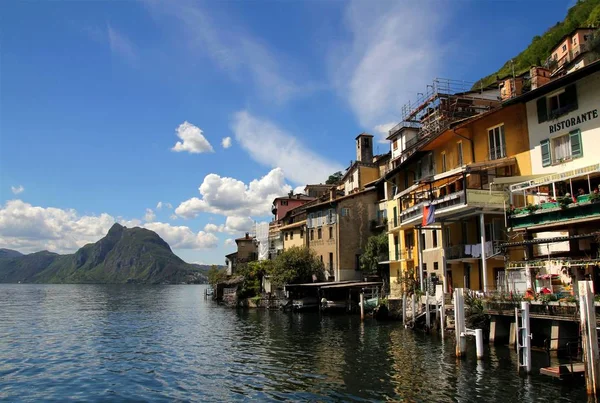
[[233, 225], [299, 190], [181, 237], [234, 50], [383, 130], [226, 142], [229, 242], [193, 140], [272, 146], [160, 205], [232, 197], [30, 228], [173, 216], [17, 189], [393, 54], [149, 216], [210, 227], [121, 46]]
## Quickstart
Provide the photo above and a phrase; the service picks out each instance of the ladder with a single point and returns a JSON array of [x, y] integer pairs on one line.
[[523, 337]]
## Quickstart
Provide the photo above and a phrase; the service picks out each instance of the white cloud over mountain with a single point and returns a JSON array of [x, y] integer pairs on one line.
[[270, 145], [232, 197], [29, 228], [193, 141]]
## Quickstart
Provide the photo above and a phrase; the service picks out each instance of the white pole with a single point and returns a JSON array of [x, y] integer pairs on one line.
[[459, 320], [483, 258], [442, 317], [427, 317], [526, 336], [421, 246], [589, 336], [362, 305], [404, 308], [479, 343]]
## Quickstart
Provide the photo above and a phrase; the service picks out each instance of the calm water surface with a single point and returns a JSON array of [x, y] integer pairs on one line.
[[165, 343]]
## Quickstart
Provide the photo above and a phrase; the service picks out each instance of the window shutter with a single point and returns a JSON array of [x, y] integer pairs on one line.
[[571, 97], [542, 110], [576, 148], [546, 160]]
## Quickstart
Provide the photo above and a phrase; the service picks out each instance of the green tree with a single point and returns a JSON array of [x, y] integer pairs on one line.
[[376, 250], [216, 275], [334, 178], [296, 265], [253, 273]]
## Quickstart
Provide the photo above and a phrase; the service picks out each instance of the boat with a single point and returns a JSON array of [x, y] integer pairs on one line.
[[210, 291], [305, 304], [330, 305], [370, 304]]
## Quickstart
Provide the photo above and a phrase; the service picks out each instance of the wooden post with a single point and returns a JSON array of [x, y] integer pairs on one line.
[[362, 304], [442, 316], [589, 336]]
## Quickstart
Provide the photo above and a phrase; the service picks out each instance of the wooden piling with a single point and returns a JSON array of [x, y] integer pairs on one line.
[[589, 336]]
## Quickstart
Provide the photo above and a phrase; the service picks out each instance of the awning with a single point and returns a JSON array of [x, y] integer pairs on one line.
[[557, 177], [354, 284], [538, 241], [509, 180], [502, 162]]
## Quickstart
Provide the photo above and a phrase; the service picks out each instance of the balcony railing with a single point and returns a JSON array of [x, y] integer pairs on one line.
[[552, 213], [466, 251], [498, 152], [393, 222], [404, 254], [474, 197], [402, 125]]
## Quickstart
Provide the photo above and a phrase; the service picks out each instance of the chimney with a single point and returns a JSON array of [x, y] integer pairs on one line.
[[332, 193], [247, 235], [539, 76]]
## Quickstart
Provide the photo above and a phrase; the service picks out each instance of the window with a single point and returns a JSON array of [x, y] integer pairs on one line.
[[330, 232], [574, 41], [435, 266], [424, 271], [435, 239], [443, 162], [319, 233], [423, 244], [464, 231], [564, 48], [553, 106], [459, 147], [561, 148], [406, 180], [284, 202], [395, 144], [585, 38], [330, 262], [394, 188], [291, 234], [321, 259], [286, 235], [312, 234], [345, 212], [396, 248], [496, 142], [301, 233]]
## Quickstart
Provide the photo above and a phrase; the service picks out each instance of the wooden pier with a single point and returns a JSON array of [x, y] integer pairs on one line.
[[576, 369]]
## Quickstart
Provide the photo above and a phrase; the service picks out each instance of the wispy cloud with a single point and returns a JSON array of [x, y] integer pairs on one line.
[[226, 142], [393, 54], [17, 189], [235, 50], [121, 46], [270, 145]]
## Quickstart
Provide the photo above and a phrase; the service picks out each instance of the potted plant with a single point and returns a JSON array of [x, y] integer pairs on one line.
[[531, 208], [564, 201]]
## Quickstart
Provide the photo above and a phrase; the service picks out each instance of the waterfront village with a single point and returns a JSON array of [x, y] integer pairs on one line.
[[493, 191]]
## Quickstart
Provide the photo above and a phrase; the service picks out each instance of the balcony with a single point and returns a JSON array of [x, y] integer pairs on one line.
[[471, 251], [549, 214], [405, 254], [484, 199], [402, 125]]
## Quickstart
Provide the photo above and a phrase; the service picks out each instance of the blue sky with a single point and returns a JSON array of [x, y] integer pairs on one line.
[[94, 97]]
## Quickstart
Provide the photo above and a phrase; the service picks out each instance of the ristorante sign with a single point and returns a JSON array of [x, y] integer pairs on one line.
[[572, 122]]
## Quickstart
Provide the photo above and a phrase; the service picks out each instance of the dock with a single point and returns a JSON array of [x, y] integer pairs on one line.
[[564, 370]]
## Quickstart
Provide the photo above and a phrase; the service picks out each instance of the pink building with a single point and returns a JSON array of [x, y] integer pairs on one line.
[[282, 205], [571, 47]]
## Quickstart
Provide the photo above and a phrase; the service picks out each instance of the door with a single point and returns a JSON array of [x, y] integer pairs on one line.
[[467, 275]]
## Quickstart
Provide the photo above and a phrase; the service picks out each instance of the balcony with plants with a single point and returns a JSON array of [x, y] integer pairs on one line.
[[551, 211]]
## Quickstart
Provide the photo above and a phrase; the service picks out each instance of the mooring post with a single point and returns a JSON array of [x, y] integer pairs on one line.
[[589, 336], [524, 336], [404, 308], [479, 343], [362, 304], [414, 307], [442, 316], [427, 317], [459, 322]]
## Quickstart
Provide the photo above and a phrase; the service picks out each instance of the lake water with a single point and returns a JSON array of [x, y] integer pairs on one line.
[[165, 343]]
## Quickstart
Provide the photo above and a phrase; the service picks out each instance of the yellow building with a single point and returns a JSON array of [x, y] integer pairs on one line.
[[453, 171]]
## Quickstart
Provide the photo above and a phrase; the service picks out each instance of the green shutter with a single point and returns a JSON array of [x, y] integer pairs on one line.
[[576, 147], [542, 110], [546, 159], [570, 97]]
